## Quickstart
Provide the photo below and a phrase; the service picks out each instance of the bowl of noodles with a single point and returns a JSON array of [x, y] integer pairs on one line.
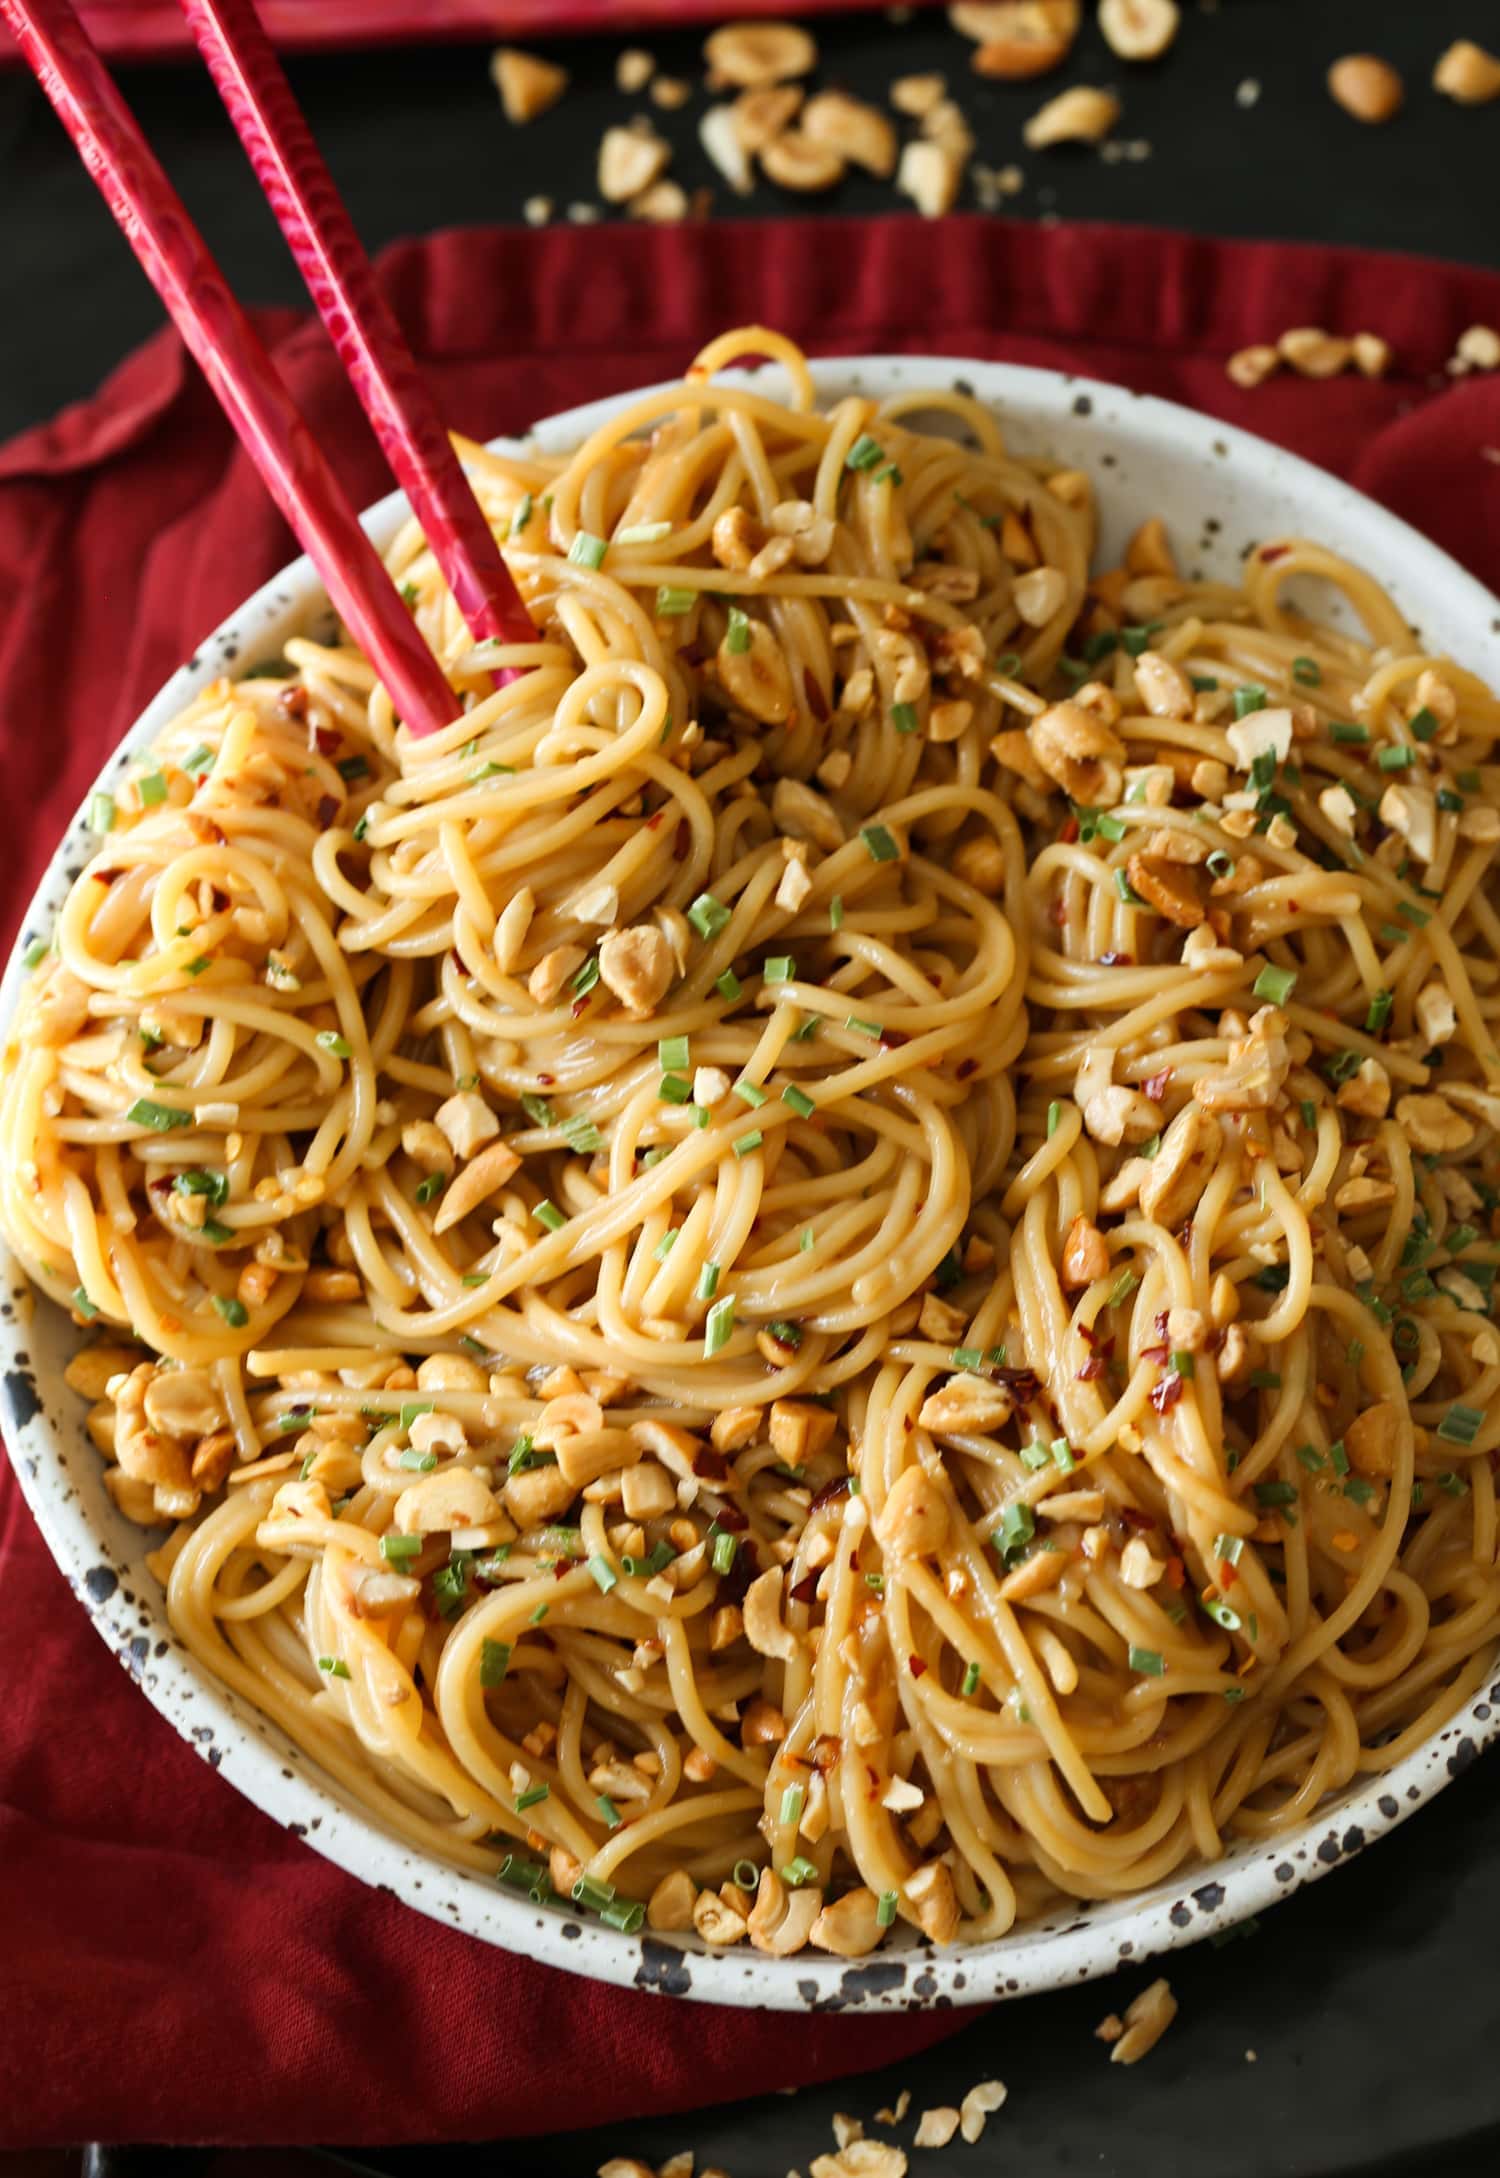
[[806, 1315]]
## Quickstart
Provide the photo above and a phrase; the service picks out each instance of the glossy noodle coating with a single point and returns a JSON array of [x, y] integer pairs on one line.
[[834, 1264]]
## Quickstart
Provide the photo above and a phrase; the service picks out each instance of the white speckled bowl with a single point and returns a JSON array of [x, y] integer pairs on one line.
[[1220, 490]]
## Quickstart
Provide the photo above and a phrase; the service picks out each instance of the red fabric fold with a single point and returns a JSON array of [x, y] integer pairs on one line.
[[175, 1967]]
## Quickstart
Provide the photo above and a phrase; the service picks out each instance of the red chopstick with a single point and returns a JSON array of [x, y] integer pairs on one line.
[[176, 260], [369, 343]]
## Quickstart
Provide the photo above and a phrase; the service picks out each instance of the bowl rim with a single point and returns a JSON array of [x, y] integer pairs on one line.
[[100, 1555]]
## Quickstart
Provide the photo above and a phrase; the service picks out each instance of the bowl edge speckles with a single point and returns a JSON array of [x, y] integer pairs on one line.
[[1222, 491]]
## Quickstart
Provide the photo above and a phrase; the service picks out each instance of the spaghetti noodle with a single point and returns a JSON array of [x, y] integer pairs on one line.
[[833, 1264]]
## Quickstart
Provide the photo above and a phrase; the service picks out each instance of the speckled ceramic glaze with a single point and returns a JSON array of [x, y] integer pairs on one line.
[[1221, 492]]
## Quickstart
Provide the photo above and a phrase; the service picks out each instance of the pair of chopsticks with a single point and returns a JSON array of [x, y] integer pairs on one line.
[[369, 343]]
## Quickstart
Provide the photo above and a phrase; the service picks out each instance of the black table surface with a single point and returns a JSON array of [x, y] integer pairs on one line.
[[1370, 2001]]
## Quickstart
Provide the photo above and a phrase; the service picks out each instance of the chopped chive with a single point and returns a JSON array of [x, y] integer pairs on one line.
[[707, 915], [232, 1310], [1148, 1662], [750, 1093], [1054, 1119], [798, 1872], [1378, 1011], [330, 1040], [780, 968], [1359, 1490], [904, 717], [1307, 671], [799, 1101], [537, 1110], [582, 1135], [1451, 1482], [432, 1186], [1309, 1109], [152, 789], [879, 844], [604, 1575], [1122, 1288], [674, 1089], [725, 1546], [587, 550], [335, 1667], [805, 1244], [1127, 891], [394, 1546], [791, 1804], [665, 1245], [161, 1118], [1397, 758], [421, 1463], [1248, 697], [1265, 1380], [1342, 730], [85, 1307], [522, 515], [1423, 723], [1276, 1493], [1204, 683], [611, 1814], [1183, 1364], [728, 985], [856, 1027], [719, 1328], [673, 1053], [1460, 1425], [643, 533], [625, 1914], [1275, 984], [550, 1216], [1016, 1530], [971, 1679], [885, 1910], [587, 976], [1229, 1548], [1311, 1458], [36, 952], [1220, 864], [708, 1281], [744, 1144], [1339, 1457], [1222, 1614], [539, 1614], [533, 1798], [737, 641], [865, 453], [672, 601], [966, 1357]]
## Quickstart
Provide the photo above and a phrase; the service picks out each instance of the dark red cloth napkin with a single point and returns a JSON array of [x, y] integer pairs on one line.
[[155, 29], [174, 1966]]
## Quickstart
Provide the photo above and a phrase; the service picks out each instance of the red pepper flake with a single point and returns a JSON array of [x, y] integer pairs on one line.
[[1176, 1573], [817, 702], [1155, 1085], [965, 1068], [729, 1516], [1185, 1233], [1024, 1385], [653, 823], [839, 1487], [1294, 907], [1068, 832], [915, 1666], [328, 809], [805, 1590], [1133, 1517], [1155, 1353], [826, 1749], [1115, 960], [1166, 1392], [1093, 1367], [1273, 552], [579, 1005], [1227, 1574], [682, 840], [293, 701], [711, 1467], [1058, 912], [854, 1561], [327, 740]]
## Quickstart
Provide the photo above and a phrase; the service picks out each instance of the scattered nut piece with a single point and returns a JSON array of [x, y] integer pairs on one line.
[[630, 160], [746, 54], [1365, 86], [1479, 347], [760, 116], [1253, 366], [1019, 39], [670, 92], [1139, 30], [527, 86], [859, 134], [719, 134], [930, 175], [536, 211], [1467, 74], [663, 204], [917, 95], [984, 2098], [795, 161], [1372, 355], [935, 2128], [1082, 115], [633, 70], [1313, 353], [1145, 2022]]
